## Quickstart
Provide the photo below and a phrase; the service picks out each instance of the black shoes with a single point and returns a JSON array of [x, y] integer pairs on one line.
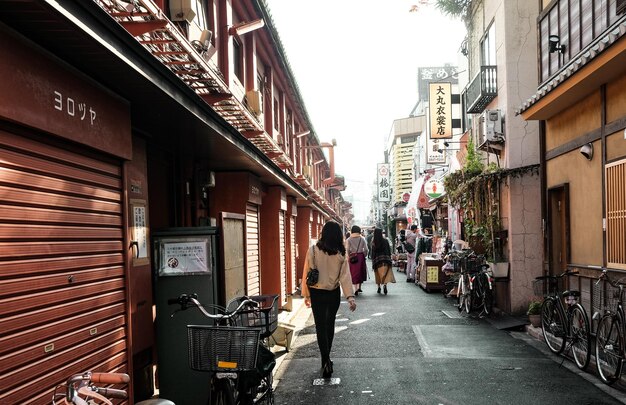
[[378, 291], [359, 290], [327, 370], [384, 289]]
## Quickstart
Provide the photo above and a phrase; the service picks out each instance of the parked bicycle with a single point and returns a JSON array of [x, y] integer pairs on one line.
[[88, 388], [481, 287], [472, 292], [234, 350], [562, 325], [610, 334]]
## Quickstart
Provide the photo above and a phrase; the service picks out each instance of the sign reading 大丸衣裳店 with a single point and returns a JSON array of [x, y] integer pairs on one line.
[[383, 183], [440, 105]]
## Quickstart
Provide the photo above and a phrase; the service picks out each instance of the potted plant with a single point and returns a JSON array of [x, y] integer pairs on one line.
[[534, 313]]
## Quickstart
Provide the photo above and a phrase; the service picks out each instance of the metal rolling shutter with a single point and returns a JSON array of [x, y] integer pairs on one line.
[[293, 254], [252, 249], [283, 257], [62, 279]]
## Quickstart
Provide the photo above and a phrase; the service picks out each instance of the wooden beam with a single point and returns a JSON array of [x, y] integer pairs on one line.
[[137, 28], [216, 98], [252, 134]]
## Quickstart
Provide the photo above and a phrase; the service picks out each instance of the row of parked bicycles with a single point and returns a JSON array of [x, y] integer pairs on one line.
[[470, 280], [233, 350], [566, 326]]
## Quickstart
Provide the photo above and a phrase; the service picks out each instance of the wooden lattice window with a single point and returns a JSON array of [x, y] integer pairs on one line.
[[616, 214]]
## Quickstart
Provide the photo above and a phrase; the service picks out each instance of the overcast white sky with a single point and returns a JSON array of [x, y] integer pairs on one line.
[[356, 63]]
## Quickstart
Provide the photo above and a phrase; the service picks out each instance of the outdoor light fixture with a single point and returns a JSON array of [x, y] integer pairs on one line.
[[554, 44], [301, 134], [204, 42], [245, 27], [447, 143], [443, 150], [587, 151]]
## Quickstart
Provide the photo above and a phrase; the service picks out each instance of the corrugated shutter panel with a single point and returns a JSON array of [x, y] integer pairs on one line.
[[252, 249], [283, 257], [293, 254], [616, 214], [62, 279]]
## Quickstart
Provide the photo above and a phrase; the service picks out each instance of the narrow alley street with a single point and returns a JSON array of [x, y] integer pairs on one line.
[[413, 347]]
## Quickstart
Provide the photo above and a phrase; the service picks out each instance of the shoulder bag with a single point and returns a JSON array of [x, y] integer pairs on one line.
[[353, 256], [313, 275]]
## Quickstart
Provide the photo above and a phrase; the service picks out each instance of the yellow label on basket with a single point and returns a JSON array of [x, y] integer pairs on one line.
[[226, 364], [432, 274]]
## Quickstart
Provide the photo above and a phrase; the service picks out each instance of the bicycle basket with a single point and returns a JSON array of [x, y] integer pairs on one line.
[[265, 316], [605, 297], [547, 286], [221, 348]]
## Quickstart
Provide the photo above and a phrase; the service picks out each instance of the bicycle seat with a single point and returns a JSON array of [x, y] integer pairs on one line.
[[155, 401], [571, 293]]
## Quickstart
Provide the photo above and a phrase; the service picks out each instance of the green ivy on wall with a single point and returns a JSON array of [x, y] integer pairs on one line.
[[475, 189]]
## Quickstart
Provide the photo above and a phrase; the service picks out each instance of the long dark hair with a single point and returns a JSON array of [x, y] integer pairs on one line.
[[378, 238], [331, 240]]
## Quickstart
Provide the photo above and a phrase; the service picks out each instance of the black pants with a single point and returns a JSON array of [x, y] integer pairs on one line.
[[325, 304]]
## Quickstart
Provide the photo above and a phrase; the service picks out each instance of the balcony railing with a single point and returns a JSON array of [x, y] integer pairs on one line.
[[481, 90]]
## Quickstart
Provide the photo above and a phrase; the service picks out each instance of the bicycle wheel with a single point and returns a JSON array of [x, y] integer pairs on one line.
[[581, 336], [487, 299], [469, 299], [266, 391], [553, 325], [460, 294], [609, 348], [222, 391]]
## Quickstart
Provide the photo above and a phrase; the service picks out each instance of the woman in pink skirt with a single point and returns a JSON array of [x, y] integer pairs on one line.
[[356, 249]]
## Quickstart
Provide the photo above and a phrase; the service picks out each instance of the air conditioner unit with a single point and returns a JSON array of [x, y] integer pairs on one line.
[[491, 123], [181, 10], [255, 101]]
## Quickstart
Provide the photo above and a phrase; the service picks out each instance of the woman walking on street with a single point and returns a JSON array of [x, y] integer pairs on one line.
[[356, 247], [328, 256], [381, 260]]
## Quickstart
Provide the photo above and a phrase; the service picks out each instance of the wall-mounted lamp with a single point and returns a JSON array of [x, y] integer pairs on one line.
[[443, 150], [587, 151], [447, 143], [245, 27], [301, 134], [202, 44], [554, 44]]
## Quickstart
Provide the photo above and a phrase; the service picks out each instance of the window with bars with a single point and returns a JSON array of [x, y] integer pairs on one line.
[[616, 214]]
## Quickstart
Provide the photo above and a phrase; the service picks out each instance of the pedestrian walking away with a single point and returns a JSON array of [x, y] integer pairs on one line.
[[381, 260], [356, 247], [410, 242], [328, 256]]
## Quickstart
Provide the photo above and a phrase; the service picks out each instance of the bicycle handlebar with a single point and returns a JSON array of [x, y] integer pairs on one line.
[[110, 378], [187, 300]]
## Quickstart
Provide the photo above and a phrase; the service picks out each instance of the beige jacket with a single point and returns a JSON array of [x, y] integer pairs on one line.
[[334, 271]]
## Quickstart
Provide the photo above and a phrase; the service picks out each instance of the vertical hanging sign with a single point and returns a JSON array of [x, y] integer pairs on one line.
[[440, 104], [383, 183]]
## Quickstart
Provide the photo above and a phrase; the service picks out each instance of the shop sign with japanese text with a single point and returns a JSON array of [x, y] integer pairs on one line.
[[440, 105], [383, 183]]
